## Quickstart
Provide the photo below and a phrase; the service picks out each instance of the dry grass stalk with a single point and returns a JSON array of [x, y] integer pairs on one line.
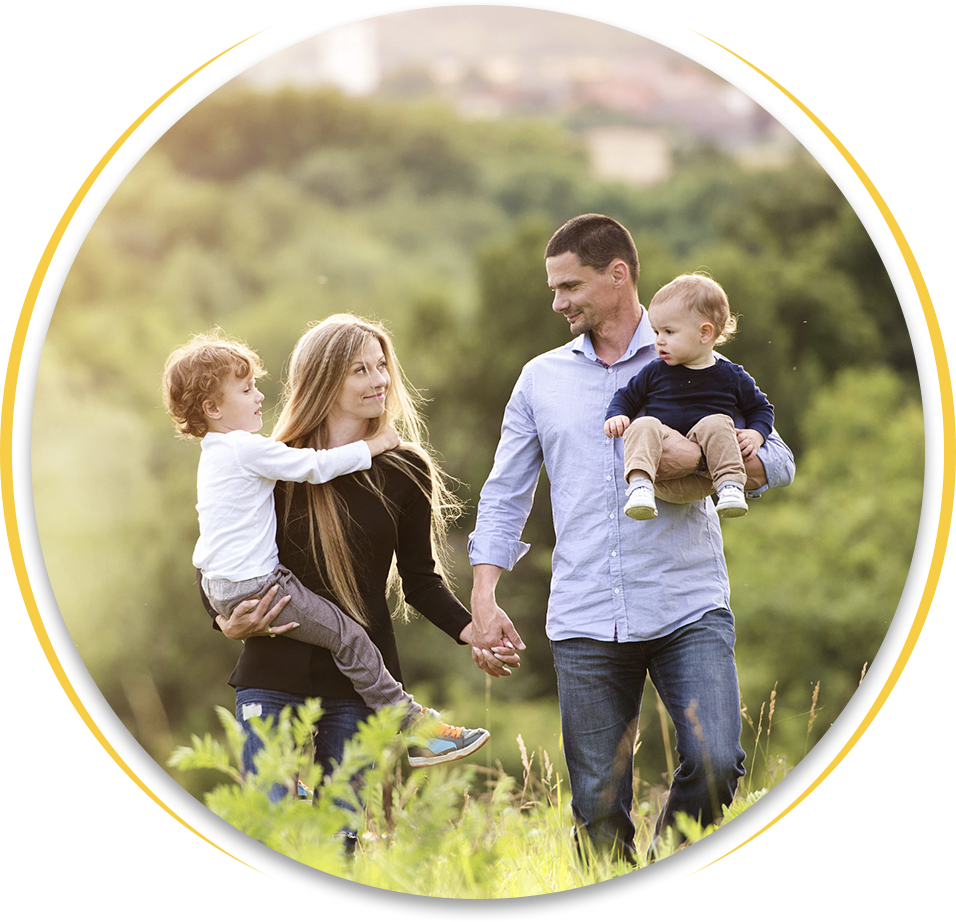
[[773, 701], [665, 732], [813, 712]]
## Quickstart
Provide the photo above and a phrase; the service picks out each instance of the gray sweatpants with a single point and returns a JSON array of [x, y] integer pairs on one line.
[[323, 624]]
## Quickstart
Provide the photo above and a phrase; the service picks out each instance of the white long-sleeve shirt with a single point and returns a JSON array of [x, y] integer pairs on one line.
[[237, 518]]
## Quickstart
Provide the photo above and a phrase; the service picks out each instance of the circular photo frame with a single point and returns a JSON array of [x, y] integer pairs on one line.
[[54, 533]]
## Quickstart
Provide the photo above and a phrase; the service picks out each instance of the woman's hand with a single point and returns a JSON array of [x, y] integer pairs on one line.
[[497, 662], [254, 617]]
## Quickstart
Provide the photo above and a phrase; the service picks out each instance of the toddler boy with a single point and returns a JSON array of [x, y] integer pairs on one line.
[[691, 390]]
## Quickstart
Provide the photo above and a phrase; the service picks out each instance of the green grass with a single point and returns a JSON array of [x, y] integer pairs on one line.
[[460, 830]]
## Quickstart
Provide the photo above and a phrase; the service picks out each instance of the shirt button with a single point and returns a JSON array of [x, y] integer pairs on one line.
[[614, 553], [612, 515], [617, 591], [608, 476]]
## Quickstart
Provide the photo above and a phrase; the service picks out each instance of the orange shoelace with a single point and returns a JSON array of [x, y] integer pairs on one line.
[[446, 730]]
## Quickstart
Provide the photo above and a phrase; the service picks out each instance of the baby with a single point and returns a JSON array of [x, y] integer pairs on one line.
[[693, 391]]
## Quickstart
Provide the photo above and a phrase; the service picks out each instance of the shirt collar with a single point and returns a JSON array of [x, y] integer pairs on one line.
[[643, 338]]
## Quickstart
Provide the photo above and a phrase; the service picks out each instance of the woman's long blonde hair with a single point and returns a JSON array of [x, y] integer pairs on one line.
[[322, 358]]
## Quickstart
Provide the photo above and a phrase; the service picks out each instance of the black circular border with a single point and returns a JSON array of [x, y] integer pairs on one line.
[[419, 907]]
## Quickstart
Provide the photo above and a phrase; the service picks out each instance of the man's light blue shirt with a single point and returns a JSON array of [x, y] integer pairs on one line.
[[612, 578]]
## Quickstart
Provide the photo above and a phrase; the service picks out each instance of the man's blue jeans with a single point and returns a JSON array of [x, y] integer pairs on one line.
[[599, 688]]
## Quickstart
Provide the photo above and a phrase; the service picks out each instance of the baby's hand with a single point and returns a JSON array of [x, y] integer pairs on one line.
[[616, 426], [749, 441], [386, 440]]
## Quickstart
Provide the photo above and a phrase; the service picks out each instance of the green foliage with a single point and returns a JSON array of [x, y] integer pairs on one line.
[[447, 831], [819, 569], [283, 823]]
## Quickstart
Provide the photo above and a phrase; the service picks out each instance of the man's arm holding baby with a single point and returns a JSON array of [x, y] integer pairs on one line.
[[769, 465]]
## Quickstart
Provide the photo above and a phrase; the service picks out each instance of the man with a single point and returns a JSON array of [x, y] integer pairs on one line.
[[628, 599]]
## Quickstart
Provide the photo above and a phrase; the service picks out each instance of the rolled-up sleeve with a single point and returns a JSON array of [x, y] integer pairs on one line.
[[777, 460], [508, 493]]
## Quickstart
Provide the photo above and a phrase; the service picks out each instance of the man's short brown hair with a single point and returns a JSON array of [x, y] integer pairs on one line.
[[597, 241]]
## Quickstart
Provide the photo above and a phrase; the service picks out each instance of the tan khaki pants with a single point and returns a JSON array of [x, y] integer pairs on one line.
[[644, 443]]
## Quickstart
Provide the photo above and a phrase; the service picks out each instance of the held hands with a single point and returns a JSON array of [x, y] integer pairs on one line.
[[254, 617], [616, 426], [497, 661], [386, 440], [494, 641]]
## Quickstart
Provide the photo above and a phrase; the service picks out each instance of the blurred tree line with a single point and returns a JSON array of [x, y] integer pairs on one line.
[[262, 212]]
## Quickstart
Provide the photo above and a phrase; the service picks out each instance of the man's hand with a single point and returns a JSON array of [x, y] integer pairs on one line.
[[254, 617], [494, 639], [491, 626], [616, 426]]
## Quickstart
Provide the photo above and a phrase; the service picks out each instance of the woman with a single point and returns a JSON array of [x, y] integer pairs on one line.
[[341, 538]]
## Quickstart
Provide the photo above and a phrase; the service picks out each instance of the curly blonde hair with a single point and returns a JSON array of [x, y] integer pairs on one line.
[[197, 371]]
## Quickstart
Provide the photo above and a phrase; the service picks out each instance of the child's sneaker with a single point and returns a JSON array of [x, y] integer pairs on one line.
[[447, 745], [731, 501], [640, 500]]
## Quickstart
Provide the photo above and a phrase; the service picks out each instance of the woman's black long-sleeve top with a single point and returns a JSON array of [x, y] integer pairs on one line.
[[373, 535]]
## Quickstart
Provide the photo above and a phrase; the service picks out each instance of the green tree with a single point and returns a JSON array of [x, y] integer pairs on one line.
[[817, 570]]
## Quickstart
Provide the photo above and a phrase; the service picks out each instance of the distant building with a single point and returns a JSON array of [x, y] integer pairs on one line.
[[639, 156], [630, 98]]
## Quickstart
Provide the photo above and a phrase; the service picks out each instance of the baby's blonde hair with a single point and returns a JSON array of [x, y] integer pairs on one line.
[[705, 297], [197, 371]]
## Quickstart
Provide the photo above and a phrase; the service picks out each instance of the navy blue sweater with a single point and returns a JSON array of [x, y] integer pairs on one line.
[[680, 396]]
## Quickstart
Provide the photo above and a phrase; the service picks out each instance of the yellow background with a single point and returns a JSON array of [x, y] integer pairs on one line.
[[84, 84]]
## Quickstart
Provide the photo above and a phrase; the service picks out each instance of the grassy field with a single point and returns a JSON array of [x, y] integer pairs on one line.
[[460, 830]]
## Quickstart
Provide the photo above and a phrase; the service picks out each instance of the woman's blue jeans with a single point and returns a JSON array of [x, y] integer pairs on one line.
[[339, 723], [600, 685]]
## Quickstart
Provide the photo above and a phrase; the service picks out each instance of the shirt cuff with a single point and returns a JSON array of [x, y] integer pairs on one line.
[[777, 464], [365, 461], [499, 552]]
